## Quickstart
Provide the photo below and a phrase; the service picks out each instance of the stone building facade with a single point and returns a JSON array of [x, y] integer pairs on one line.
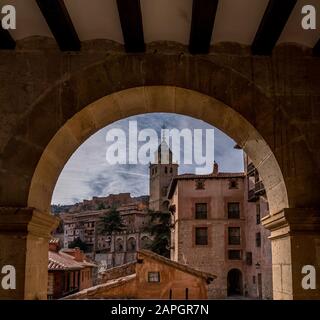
[[226, 235], [114, 249], [258, 274], [122, 248], [82, 225]]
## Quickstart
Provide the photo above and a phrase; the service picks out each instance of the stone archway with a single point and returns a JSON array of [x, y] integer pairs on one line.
[[91, 91], [154, 99], [235, 282]]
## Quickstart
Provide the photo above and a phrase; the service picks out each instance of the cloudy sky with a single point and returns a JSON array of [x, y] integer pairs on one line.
[[88, 172]]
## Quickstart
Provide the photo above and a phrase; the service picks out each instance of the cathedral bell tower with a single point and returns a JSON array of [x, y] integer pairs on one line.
[[161, 173]]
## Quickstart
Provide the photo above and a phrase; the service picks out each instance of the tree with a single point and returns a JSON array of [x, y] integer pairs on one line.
[[78, 243], [112, 222], [101, 206], [160, 229]]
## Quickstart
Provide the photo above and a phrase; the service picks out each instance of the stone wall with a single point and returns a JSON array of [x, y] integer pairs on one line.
[[117, 272], [42, 88], [51, 102]]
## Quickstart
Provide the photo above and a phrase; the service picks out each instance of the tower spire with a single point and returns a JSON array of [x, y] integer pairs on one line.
[[163, 134]]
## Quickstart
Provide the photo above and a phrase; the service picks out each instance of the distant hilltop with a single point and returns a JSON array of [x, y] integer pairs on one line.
[[100, 203]]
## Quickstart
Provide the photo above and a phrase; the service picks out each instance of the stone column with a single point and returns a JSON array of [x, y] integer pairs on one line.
[[295, 242], [24, 235]]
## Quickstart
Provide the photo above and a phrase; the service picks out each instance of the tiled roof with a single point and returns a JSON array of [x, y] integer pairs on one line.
[[64, 261], [54, 241], [86, 293], [58, 261], [84, 263], [177, 265]]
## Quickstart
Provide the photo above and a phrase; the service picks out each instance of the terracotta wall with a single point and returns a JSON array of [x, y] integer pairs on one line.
[[170, 279]]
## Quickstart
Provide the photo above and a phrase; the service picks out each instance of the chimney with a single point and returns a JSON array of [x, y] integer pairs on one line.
[[54, 245], [215, 168], [78, 255]]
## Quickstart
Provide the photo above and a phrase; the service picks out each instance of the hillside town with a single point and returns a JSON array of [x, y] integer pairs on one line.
[[106, 246]]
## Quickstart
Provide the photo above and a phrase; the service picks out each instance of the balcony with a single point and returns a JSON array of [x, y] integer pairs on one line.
[[252, 197], [251, 169], [256, 192], [259, 188]]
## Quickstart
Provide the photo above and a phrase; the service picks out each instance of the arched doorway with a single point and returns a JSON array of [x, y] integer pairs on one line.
[[234, 283], [141, 100], [236, 96], [150, 99]]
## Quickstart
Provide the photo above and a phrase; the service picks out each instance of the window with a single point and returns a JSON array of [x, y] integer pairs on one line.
[[171, 170], [119, 245], [234, 235], [166, 170], [258, 213], [201, 236], [131, 245], [200, 185], [153, 276], [164, 191], [233, 184], [254, 279], [234, 254], [145, 242], [249, 258], [233, 210], [258, 239], [201, 211]]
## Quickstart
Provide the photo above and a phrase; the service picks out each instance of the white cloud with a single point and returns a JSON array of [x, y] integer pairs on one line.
[[87, 173]]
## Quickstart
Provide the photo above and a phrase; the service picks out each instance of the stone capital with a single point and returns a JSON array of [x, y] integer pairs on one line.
[[27, 221], [292, 221]]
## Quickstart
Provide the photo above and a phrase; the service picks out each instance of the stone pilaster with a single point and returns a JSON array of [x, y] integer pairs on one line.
[[295, 242], [24, 235]]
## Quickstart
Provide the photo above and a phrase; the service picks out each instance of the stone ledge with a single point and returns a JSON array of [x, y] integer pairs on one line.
[[290, 221], [25, 221], [43, 43]]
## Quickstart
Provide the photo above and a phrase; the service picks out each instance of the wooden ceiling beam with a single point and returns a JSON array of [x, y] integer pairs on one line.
[[131, 24], [60, 24], [316, 49], [272, 25], [6, 40], [203, 17]]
